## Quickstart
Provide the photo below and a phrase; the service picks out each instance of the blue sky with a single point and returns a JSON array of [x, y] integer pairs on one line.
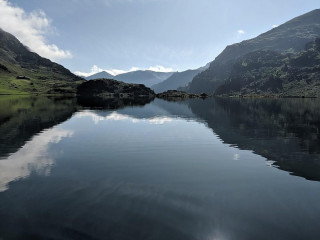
[[143, 34]]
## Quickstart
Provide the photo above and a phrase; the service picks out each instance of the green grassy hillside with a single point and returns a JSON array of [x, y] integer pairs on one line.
[[43, 76]]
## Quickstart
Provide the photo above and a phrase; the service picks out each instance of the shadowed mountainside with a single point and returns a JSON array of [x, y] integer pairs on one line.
[[271, 73], [290, 37]]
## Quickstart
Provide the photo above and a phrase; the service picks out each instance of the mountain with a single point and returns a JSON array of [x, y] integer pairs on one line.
[[37, 74], [148, 78], [290, 37], [100, 75], [272, 73], [178, 79]]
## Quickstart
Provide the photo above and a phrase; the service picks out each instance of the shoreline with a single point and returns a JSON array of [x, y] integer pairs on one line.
[[192, 96]]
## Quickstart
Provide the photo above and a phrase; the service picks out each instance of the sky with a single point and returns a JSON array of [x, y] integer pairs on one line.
[[88, 36]]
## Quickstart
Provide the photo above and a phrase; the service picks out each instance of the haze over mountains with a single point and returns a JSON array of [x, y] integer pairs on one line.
[[178, 80]]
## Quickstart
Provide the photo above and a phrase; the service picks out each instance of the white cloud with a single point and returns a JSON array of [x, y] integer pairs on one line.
[[241, 32], [119, 71], [30, 29], [95, 69], [160, 69], [274, 26]]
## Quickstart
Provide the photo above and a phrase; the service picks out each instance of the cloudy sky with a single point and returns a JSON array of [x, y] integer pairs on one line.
[[120, 35]]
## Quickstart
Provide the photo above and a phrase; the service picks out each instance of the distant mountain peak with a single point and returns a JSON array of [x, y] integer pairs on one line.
[[99, 75], [108, 73]]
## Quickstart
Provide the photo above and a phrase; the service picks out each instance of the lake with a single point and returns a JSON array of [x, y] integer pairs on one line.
[[214, 169]]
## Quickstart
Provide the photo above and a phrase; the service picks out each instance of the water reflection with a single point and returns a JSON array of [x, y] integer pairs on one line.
[[22, 117], [111, 103], [32, 157], [115, 116], [160, 170], [285, 131]]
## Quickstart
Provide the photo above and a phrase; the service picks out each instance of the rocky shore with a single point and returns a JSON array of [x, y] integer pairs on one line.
[[109, 88], [174, 95]]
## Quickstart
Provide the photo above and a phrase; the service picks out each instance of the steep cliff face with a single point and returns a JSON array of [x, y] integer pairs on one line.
[[290, 37]]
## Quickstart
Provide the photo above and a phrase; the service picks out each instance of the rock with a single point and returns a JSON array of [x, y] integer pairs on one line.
[[4, 68], [109, 88], [23, 77], [204, 95]]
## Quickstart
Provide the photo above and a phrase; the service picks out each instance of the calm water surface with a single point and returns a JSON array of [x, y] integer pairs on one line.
[[214, 169]]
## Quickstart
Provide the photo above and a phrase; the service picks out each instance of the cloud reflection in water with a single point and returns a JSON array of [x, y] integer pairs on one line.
[[32, 157], [115, 116]]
